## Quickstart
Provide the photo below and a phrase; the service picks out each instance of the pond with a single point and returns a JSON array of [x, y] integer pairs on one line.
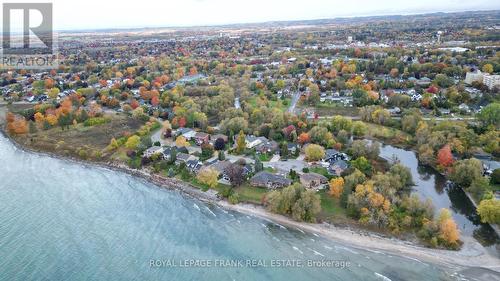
[[431, 184]]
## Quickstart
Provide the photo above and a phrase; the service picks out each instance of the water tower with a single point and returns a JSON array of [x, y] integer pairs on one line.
[[439, 36]]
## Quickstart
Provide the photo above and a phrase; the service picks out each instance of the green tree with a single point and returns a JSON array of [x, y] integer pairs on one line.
[[489, 210], [132, 142], [490, 115], [240, 143], [314, 152], [464, 172], [295, 201], [362, 164]]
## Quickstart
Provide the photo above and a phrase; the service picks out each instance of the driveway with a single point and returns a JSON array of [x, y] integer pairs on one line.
[[285, 166]]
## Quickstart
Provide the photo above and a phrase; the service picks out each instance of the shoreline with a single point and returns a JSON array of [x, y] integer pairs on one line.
[[472, 255]]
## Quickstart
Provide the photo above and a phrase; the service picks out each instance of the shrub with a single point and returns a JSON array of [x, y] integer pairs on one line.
[[94, 121]]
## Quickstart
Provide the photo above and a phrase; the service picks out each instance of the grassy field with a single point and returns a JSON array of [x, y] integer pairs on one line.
[[251, 194], [79, 138], [282, 105], [331, 109], [331, 209]]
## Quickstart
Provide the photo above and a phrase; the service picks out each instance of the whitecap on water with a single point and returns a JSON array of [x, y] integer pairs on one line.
[[196, 207], [382, 277], [297, 249], [210, 211], [347, 249]]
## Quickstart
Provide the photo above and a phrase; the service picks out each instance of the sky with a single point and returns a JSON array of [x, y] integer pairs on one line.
[[103, 14]]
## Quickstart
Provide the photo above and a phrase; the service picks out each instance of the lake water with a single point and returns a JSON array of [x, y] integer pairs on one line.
[[66, 221], [430, 184]]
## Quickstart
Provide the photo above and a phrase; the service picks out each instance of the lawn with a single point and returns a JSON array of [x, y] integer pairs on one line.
[[320, 170], [331, 209], [332, 109], [251, 194]]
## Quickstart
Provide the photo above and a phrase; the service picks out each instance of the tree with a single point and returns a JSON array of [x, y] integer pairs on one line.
[[113, 144], [208, 176], [363, 148], [336, 187], [181, 141], [444, 157], [207, 150], [403, 173], [304, 138], [320, 135], [495, 176], [362, 164], [258, 166], [490, 115], [448, 231], [350, 182], [295, 201], [488, 68], [132, 142], [464, 172], [479, 187], [219, 144], [235, 174], [221, 155], [16, 124], [314, 152], [240, 143], [489, 210]]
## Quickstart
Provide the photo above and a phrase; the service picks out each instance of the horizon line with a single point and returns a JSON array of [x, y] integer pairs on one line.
[[123, 28]]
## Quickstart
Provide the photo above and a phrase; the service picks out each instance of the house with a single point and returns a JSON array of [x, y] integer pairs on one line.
[[253, 141], [183, 158], [267, 147], [332, 155], [464, 107], [313, 180], [268, 180], [201, 138], [424, 81], [152, 150], [185, 132], [220, 166], [337, 167], [194, 165], [394, 111], [292, 148]]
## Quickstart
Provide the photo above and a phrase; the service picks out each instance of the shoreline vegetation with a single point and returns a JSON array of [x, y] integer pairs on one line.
[[471, 254]]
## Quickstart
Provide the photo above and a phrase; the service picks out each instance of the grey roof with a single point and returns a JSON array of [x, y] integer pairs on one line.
[[264, 178]]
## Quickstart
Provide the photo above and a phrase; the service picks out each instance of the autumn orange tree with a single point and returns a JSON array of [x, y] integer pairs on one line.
[[336, 187], [444, 157], [16, 124]]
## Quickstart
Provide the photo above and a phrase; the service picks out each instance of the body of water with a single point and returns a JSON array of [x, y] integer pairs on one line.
[[431, 184], [66, 221]]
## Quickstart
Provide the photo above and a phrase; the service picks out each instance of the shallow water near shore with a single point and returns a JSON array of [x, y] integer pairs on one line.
[[66, 221]]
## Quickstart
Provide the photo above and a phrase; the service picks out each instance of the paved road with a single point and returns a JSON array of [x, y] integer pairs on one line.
[[285, 166], [293, 104], [237, 104]]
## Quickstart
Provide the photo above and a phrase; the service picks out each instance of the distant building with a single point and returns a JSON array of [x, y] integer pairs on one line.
[[491, 81], [475, 76]]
